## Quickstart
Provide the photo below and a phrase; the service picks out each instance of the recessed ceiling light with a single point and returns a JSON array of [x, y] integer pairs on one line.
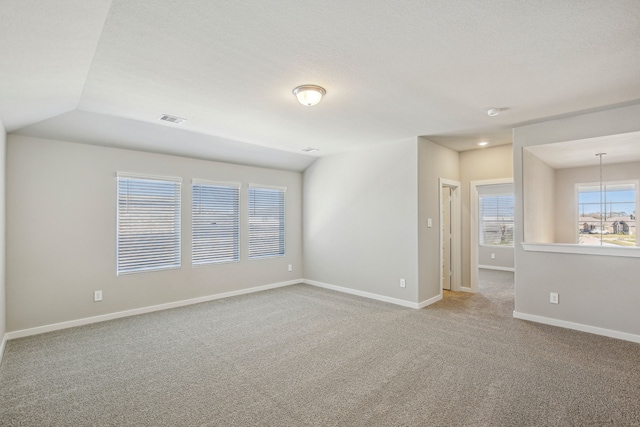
[[483, 143], [309, 94], [493, 112], [310, 150], [172, 119]]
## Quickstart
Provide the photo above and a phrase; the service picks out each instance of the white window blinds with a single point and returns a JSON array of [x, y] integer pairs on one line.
[[266, 222], [215, 214], [496, 220], [148, 224]]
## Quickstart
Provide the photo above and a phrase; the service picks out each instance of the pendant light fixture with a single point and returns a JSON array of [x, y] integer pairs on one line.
[[309, 95]]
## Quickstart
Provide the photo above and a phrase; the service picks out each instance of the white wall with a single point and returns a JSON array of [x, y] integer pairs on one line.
[[479, 165], [595, 291], [360, 220], [3, 305], [61, 235], [434, 162]]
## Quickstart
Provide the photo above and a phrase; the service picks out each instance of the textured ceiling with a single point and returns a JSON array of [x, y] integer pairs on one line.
[[392, 70]]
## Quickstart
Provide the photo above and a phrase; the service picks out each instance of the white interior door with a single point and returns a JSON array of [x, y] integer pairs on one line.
[[446, 238]]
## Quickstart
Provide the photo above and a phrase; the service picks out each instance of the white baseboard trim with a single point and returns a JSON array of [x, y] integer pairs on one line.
[[492, 267], [429, 301], [110, 316], [578, 327], [365, 294], [3, 344]]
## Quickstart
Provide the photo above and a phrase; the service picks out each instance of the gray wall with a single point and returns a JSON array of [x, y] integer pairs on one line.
[[61, 235], [479, 165], [3, 167], [365, 218], [503, 257], [360, 220], [435, 162], [594, 290], [539, 187]]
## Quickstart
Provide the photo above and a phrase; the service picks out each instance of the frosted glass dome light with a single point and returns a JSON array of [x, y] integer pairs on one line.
[[309, 94]]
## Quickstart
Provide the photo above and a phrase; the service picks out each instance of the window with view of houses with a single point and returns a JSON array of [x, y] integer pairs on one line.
[[607, 214]]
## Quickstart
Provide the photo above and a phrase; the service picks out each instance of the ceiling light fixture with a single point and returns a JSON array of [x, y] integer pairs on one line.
[[310, 150], [483, 143], [491, 112], [309, 94]]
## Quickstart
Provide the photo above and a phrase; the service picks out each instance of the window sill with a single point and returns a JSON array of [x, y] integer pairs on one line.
[[565, 248]]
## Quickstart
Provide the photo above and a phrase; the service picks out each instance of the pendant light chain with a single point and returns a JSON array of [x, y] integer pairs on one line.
[[602, 202]]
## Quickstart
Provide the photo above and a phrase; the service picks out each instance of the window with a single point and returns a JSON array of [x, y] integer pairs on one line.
[[148, 224], [496, 220], [607, 214], [216, 223], [266, 222]]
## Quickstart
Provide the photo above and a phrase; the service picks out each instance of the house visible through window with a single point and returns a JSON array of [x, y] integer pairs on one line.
[[607, 214], [266, 222], [215, 214], [148, 224], [496, 220]]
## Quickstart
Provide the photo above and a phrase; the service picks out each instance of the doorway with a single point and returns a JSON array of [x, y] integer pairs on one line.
[[475, 189], [450, 235], [446, 237]]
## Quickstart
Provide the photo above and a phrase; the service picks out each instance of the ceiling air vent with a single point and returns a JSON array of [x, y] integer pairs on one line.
[[171, 119]]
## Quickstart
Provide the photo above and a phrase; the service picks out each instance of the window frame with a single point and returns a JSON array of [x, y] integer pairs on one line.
[[237, 235], [282, 241], [481, 240], [576, 206], [175, 237]]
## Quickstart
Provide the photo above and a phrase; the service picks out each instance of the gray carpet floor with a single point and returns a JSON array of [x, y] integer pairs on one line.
[[302, 355]]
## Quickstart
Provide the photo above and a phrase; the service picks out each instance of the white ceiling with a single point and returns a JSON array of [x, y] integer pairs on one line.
[[621, 148], [392, 70]]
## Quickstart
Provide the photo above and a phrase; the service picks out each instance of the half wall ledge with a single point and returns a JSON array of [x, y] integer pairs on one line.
[[566, 248]]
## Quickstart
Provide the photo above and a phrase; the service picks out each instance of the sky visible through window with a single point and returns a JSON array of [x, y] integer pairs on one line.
[[619, 202], [607, 218]]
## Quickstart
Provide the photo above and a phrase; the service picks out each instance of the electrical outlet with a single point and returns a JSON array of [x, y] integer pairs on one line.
[[290, 267], [403, 283], [429, 222], [553, 297], [97, 296], [493, 256]]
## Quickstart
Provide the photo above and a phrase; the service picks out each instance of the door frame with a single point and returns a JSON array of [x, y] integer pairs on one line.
[[456, 234], [473, 227]]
